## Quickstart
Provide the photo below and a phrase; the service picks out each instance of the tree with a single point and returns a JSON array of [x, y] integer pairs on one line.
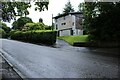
[[102, 20], [105, 27], [68, 8], [21, 22], [88, 12], [12, 9], [81, 7]]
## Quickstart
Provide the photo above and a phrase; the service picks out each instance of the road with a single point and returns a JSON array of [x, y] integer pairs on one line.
[[6, 71], [35, 61]]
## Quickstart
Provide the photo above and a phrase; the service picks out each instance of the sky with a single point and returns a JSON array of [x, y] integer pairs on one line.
[[54, 7]]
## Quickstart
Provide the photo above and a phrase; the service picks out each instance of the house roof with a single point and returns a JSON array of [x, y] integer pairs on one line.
[[61, 15]]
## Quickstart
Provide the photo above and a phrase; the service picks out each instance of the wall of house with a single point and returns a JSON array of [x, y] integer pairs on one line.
[[77, 27], [78, 21], [64, 22]]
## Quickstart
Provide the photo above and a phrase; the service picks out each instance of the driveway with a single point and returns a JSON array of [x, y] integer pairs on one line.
[[35, 61]]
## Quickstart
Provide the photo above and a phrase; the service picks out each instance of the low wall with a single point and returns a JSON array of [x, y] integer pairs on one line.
[[97, 44]]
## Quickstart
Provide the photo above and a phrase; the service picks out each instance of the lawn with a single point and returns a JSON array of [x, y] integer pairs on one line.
[[72, 39]]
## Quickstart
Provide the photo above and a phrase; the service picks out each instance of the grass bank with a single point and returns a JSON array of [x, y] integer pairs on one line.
[[72, 39]]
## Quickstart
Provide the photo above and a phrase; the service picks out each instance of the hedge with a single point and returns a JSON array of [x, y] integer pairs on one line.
[[40, 36], [2, 33]]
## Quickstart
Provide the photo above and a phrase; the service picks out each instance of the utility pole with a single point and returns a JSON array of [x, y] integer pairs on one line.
[[52, 22], [0, 11]]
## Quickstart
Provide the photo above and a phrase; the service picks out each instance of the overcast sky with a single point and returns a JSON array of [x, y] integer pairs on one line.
[[54, 7]]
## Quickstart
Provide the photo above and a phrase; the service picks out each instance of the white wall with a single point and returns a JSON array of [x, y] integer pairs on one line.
[[68, 21]]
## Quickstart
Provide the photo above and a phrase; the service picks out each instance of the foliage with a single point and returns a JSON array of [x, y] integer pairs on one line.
[[4, 27], [50, 27], [2, 33], [21, 22], [12, 32], [72, 39], [81, 7], [12, 9], [68, 8], [101, 20], [39, 36], [88, 12], [35, 26]]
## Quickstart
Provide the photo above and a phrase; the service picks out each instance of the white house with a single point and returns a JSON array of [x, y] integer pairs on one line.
[[69, 24]]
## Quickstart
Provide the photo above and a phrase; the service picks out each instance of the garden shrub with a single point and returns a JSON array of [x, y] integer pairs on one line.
[[35, 26], [39, 36], [2, 33]]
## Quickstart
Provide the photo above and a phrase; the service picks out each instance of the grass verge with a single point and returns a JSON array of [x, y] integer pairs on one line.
[[72, 39]]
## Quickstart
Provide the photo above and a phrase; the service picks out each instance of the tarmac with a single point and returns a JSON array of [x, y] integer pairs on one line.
[[6, 71]]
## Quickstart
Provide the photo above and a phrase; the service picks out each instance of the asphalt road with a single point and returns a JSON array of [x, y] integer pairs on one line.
[[6, 71], [35, 61]]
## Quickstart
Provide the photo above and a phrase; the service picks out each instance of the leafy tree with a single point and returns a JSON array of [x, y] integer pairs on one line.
[[68, 8], [12, 9], [21, 22], [88, 12], [102, 20], [81, 7]]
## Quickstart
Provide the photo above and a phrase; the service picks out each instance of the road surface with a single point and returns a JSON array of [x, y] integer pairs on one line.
[[35, 61]]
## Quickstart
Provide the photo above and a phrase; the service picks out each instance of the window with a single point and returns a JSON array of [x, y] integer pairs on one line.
[[73, 23], [63, 23]]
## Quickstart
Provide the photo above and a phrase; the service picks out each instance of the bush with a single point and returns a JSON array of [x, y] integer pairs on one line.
[[2, 33], [4, 27], [35, 26], [38, 36]]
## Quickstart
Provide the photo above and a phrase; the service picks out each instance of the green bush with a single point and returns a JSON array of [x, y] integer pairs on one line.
[[4, 30], [38, 36], [2, 33], [35, 26]]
